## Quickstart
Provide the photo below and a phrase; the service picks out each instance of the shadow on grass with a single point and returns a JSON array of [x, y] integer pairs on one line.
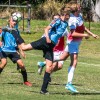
[[87, 93], [11, 83], [57, 93], [64, 84], [69, 93], [20, 72]]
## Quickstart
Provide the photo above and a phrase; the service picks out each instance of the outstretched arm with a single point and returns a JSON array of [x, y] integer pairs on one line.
[[90, 33], [76, 34]]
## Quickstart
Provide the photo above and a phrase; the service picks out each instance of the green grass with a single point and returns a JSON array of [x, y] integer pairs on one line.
[[86, 79]]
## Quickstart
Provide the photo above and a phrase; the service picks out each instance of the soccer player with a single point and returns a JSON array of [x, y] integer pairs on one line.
[[16, 16], [74, 39], [57, 50], [52, 33], [8, 49]]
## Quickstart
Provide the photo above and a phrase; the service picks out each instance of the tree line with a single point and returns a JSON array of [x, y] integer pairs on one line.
[[24, 2]]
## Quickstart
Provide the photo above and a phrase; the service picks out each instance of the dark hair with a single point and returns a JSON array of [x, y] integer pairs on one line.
[[55, 15], [62, 13]]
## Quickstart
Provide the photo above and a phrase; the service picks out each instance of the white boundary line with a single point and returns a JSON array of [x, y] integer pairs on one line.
[[98, 65], [90, 90], [87, 89]]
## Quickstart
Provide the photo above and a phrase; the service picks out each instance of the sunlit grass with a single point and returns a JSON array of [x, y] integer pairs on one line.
[[86, 78]]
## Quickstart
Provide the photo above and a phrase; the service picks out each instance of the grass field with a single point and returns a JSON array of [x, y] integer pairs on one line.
[[86, 79]]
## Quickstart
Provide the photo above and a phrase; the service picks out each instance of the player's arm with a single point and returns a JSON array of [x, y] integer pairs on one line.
[[21, 51], [53, 24], [72, 26], [0, 43], [0, 36], [76, 34], [46, 34], [90, 33]]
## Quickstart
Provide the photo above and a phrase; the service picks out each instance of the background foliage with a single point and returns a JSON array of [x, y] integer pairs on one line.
[[45, 9]]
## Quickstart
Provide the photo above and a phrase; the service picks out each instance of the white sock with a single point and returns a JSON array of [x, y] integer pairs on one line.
[[70, 74]]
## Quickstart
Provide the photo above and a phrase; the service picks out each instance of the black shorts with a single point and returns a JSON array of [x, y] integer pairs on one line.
[[47, 48], [1, 55], [14, 56]]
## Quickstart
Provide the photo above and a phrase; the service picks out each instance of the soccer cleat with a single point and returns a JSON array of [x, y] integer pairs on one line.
[[71, 88], [28, 83], [44, 92], [40, 67]]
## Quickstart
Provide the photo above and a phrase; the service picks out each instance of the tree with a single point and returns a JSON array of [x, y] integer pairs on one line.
[[96, 11], [92, 9]]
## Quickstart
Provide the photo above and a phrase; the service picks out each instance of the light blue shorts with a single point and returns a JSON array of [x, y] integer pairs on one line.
[[72, 47]]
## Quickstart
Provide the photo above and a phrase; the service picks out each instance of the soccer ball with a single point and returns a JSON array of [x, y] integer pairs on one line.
[[17, 16]]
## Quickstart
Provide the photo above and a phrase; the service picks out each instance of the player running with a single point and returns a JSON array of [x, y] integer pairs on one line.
[[74, 39]]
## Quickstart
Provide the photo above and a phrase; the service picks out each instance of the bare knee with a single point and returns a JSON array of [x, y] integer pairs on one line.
[[21, 64], [60, 66], [3, 63]]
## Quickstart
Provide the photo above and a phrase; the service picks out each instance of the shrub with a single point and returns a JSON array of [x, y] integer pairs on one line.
[[47, 9]]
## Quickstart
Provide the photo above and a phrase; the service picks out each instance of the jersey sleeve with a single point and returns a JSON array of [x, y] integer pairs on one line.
[[72, 23]]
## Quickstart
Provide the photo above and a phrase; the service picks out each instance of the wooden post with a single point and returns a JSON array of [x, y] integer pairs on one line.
[[23, 19], [29, 17]]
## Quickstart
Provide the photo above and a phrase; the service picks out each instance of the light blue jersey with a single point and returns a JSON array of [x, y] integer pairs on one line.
[[0, 40], [9, 42], [57, 30]]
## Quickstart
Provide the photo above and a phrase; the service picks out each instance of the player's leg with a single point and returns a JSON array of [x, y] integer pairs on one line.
[[71, 70], [3, 64], [23, 72], [34, 45], [49, 61], [46, 77], [57, 66], [15, 57], [73, 49], [41, 66], [18, 68], [63, 56], [3, 61], [26, 47]]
